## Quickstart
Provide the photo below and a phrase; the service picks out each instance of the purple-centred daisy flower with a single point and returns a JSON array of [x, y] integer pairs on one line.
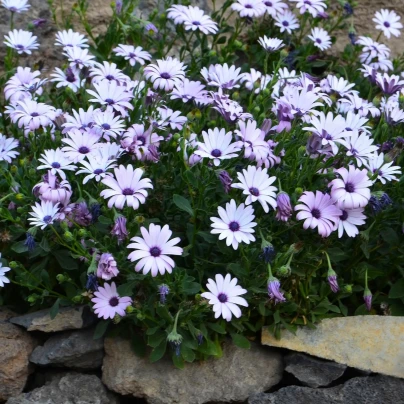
[[235, 224], [187, 90], [22, 41], [153, 250], [79, 57], [271, 44], [79, 120], [107, 72], [24, 84], [43, 214], [320, 38], [252, 139], [389, 84], [68, 78], [256, 184], [3, 278], [96, 166], [126, 187], [169, 117], [165, 73], [134, 55], [348, 221], [71, 39], [217, 146], [193, 18], [108, 303], [249, 8], [7, 146], [385, 171], [231, 110], [352, 189], [15, 6], [359, 146], [286, 21], [388, 22], [224, 295], [318, 210], [108, 123], [274, 7], [222, 76], [79, 144], [338, 85], [314, 7], [109, 93]]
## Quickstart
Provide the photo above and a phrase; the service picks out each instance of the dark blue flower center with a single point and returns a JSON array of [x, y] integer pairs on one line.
[[386, 24], [19, 46], [165, 75], [106, 126], [349, 187], [34, 114], [109, 77], [222, 298], [196, 23], [268, 4], [55, 165], [344, 215], [141, 139], [127, 191], [110, 101], [285, 23], [316, 213], [318, 40], [47, 219], [248, 6], [155, 252], [216, 153], [234, 226], [254, 191], [98, 171], [84, 150], [114, 301]]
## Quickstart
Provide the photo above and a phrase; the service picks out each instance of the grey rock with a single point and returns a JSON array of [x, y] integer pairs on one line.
[[73, 388], [360, 390], [68, 318], [234, 377], [72, 349], [311, 371], [15, 347]]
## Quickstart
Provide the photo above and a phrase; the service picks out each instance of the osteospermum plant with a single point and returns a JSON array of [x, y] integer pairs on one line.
[[192, 179]]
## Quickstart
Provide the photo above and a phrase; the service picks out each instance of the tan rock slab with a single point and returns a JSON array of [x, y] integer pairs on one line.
[[373, 343]]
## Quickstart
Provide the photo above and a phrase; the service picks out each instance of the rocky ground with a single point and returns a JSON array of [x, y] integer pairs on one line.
[[57, 361]]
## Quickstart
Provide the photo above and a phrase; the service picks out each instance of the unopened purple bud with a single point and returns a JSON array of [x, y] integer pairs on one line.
[[332, 280], [92, 283], [95, 210], [151, 29], [30, 242], [226, 180], [199, 338], [82, 215], [39, 22], [274, 290], [386, 146], [107, 267], [268, 253], [154, 153], [164, 290], [323, 15], [284, 208], [12, 206], [119, 229], [118, 7], [367, 297]]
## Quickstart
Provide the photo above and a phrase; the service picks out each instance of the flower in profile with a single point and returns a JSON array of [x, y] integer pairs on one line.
[[165, 73], [79, 144], [284, 208], [43, 214], [314, 7], [81, 214], [108, 303], [252, 139], [96, 166], [348, 221], [107, 72], [217, 146], [274, 7], [249, 8], [79, 120], [367, 298], [286, 21], [134, 55], [7, 146], [231, 110], [107, 267], [274, 290], [226, 180], [187, 90], [92, 282], [389, 84], [126, 187], [320, 38], [79, 57], [235, 224], [222, 76], [271, 44], [385, 170], [359, 146], [38, 22], [119, 229], [3, 278], [388, 22], [71, 39], [193, 18], [151, 29], [153, 250], [168, 117], [56, 161], [30, 241], [332, 280], [108, 123], [256, 184], [224, 294], [22, 41], [318, 210], [164, 290], [15, 6], [51, 189], [352, 189]]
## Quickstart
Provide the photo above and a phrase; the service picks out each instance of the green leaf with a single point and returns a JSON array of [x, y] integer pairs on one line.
[[44, 244], [105, 220], [397, 290], [178, 361], [183, 204], [19, 247], [190, 288], [158, 352], [151, 331], [126, 289], [163, 312], [101, 329], [155, 339], [65, 260], [54, 310], [217, 328], [187, 353], [240, 341], [365, 249], [390, 236], [138, 345]]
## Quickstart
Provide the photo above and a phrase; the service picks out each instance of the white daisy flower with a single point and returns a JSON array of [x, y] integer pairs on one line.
[[348, 221], [249, 8], [388, 22], [134, 55], [56, 161], [359, 146], [252, 139], [274, 7], [108, 123], [385, 171], [78, 57], [249, 79], [334, 84], [68, 78], [71, 39], [314, 7], [108, 72], [222, 76], [80, 120], [15, 6], [169, 117], [22, 41], [320, 38], [271, 44], [43, 214], [217, 146], [256, 184], [3, 270], [235, 224], [286, 21], [7, 146], [79, 144], [96, 166], [224, 295], [153, 250]]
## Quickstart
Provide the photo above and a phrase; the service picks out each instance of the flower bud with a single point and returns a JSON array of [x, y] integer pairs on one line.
[[332, 280], [68, 236], [284, 271], [129, 309], [347, 288], [77, 299], [367, 297], [13, 264], [60, 278], [274, 290]]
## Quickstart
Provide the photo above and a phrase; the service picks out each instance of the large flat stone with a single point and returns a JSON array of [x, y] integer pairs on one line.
[[360, 390], [68, 318], [373, 343], [71, 349], [234, 377]]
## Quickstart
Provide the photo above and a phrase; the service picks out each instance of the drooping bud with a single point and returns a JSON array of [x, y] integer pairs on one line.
[[107, 267], [226, 180], [174, 338], [367, 297], [274, 290], [284, 208], [164, 290], [119, 230]]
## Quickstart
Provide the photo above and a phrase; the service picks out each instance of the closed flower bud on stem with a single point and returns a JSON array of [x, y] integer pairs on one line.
[[367, 297], [174, 338], [164, 290], [331, 276]]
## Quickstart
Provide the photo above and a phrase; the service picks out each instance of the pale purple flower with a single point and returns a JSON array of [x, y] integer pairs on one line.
[[231, 110], [352, 102], [249, 8], [226, 181], [389, 84], [81, 214], [107, 72], [187, 90], [360, 147], [7, 146], [24, 84], [153, 250], [385, 170], [107, 267], [43, 214], [274, 7], [132, 54], [79, 57], [271, 44], [252, 139], [314, 7], [119, 229], [80, 120], [388, 22], [286, 21], [251, 78], [352, 189], [68, 78], [126, 187], [3, 270], [235, 224], [71, 39], [334, 84], [193, 18], [274, 290], [151, 29], [170, 117], [223, 76], [165, 73], [318, 210], [164, 290], [284, 208], [320, 38], [224, 295], [348, 221], [51, 189], [96, 166], [22, 41], [108, 303], [79, 144], [15, 6]]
